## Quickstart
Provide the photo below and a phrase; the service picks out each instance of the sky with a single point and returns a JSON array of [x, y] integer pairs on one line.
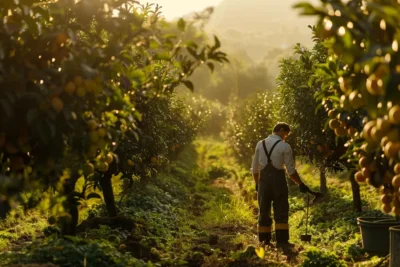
[[177, 8]]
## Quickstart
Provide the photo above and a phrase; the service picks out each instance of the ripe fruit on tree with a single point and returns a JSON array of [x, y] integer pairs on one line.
[[386, 199], [102, 132], [375, 85], [69, 88], [334, 123], [359, 177], [102, 166], [391, 149], [394, 115], [130, 162], [363, 162], [341, 131], [109, 157], [396, 181], [57, 104], [397, 168], [332, 113], [92, 125], [88, 168]]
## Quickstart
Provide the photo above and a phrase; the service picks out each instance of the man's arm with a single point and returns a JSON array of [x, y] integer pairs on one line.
[[256, 167], [291, 169]]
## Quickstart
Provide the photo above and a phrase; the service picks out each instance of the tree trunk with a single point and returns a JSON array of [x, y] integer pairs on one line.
[[108, 193], [322, 180], [68, 225], [355, 188]]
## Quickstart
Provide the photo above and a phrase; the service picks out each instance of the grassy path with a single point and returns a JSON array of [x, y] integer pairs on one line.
[[201, 211]]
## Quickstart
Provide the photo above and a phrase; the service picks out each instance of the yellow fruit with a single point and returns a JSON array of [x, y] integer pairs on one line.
[[397, 168], [383, 125], [341, 131], [396, 181], [332, 113], [130, 162], [384, 141], [376, 134], [386, 199], [81, 91], [356, 100], [109, 157], [88, 168], [394, 115], [334, 123], [102, 132], [366, 173], [363, 162], [102, 166], [69, 88], [386, 208], [352, 131], [391, 149], [344, 84], [375, 85], [359, 177], [345, 103], [92, 125], [94, 137], [368, 129], [57, 104], [154, 160], [78, 80]]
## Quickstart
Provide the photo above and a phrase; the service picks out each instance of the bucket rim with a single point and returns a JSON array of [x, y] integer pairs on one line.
[[394, 228], [384, 220]]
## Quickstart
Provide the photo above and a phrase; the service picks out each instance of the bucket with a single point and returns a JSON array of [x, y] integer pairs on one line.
[[394, 246], [375, 233]]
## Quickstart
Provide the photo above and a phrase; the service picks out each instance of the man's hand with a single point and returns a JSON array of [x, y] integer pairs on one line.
[[304, 189]]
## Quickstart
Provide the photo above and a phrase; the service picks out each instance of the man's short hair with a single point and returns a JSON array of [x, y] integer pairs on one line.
[[281, 125]]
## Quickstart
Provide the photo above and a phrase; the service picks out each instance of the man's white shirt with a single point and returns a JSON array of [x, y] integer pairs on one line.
[[281, 157]]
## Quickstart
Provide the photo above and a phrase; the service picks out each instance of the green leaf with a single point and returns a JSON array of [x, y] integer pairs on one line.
[[211, 66], [189, 85], [217, 42], [181, 24], [307, 8], [93, 195]]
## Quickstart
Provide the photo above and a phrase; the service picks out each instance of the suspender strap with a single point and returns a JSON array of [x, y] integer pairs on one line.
[[272, 149]]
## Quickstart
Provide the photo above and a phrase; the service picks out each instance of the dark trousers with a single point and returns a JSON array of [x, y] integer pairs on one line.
[[273, 193]]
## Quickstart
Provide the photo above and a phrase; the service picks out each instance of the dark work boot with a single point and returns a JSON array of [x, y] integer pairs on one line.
[[282, 241], [264, 237]]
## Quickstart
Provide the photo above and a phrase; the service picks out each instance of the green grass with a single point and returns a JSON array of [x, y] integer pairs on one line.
[[235, 212]]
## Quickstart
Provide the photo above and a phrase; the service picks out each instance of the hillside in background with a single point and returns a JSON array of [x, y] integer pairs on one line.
[[265, 29]]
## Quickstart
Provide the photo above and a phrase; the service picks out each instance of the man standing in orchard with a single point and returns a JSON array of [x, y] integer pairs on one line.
[[271, 156]]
